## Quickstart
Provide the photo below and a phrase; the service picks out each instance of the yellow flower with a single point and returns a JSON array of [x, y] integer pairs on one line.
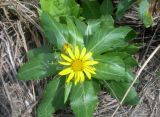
[[77, 65]]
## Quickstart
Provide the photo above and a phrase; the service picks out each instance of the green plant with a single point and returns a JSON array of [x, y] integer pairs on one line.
[[83, 54]]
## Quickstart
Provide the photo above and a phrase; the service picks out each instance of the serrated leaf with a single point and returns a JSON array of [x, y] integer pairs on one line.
[[111, 68], [38, 67], [68, 87], [91, 9], [118, 89], [123, 5], [58, 8], [46, 107], [83, 99], [54, 31], [145, 14], [35, 52], [108, 39], [106, 7]]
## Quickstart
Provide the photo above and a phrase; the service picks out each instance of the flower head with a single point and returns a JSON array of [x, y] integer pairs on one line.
[[77, 64]]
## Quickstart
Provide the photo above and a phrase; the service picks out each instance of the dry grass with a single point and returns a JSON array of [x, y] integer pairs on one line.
[[20, 31]]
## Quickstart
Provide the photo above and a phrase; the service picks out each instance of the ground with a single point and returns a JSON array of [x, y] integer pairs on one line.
[[20, 31]]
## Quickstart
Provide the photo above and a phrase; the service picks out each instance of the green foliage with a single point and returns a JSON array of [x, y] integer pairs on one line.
[[118, 89], [57, 8], [68, 87], [111, 67], [54, 31], [38, 67], [41, 50], [83, 99], [123, 5], [144, 13], [144, 10], [75, 37], [93, 28], [52, 98], [108, 39], [91, 9], [106, 7]]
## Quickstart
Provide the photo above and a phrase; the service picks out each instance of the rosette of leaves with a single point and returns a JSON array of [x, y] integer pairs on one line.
[[110, 47]]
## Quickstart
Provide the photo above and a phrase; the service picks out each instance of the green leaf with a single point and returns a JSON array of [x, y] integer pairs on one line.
[[83, 99], [129, 48], [94, 25], [46, 106], [145, 14], [54, 31], [81, 26], [76, 38], [91, 9], [35, 52], [68, 87], [38, 67], [106, 7], [128, 59], [58, 8], [118, 89], [58, 101], [108, 39], [123, 5], [111, 68]]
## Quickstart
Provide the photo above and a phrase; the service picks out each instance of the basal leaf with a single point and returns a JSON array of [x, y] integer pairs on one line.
[[38, 67], [76, 38], [58, 8], [106, 7], [91, 9], [108, 39], [58, 101], [118, 89], [81, 26], [123, 5], [128, 59], [144, 13], [54, 31], [46, 108], [35, 52], [94, 25], [68, 87], [83, 99], [111, 68]]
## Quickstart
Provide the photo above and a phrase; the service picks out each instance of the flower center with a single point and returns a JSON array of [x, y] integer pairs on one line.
[[77, 65]]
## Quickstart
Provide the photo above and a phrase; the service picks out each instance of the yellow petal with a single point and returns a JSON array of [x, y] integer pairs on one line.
[[88, 74], [87, 56], [91, 62], [76, 52], [82, 76], [77, 77], [70, 52], [90, 69], [70, 77], [64, 63], [66, 58], [83, 53], [65, 71]]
